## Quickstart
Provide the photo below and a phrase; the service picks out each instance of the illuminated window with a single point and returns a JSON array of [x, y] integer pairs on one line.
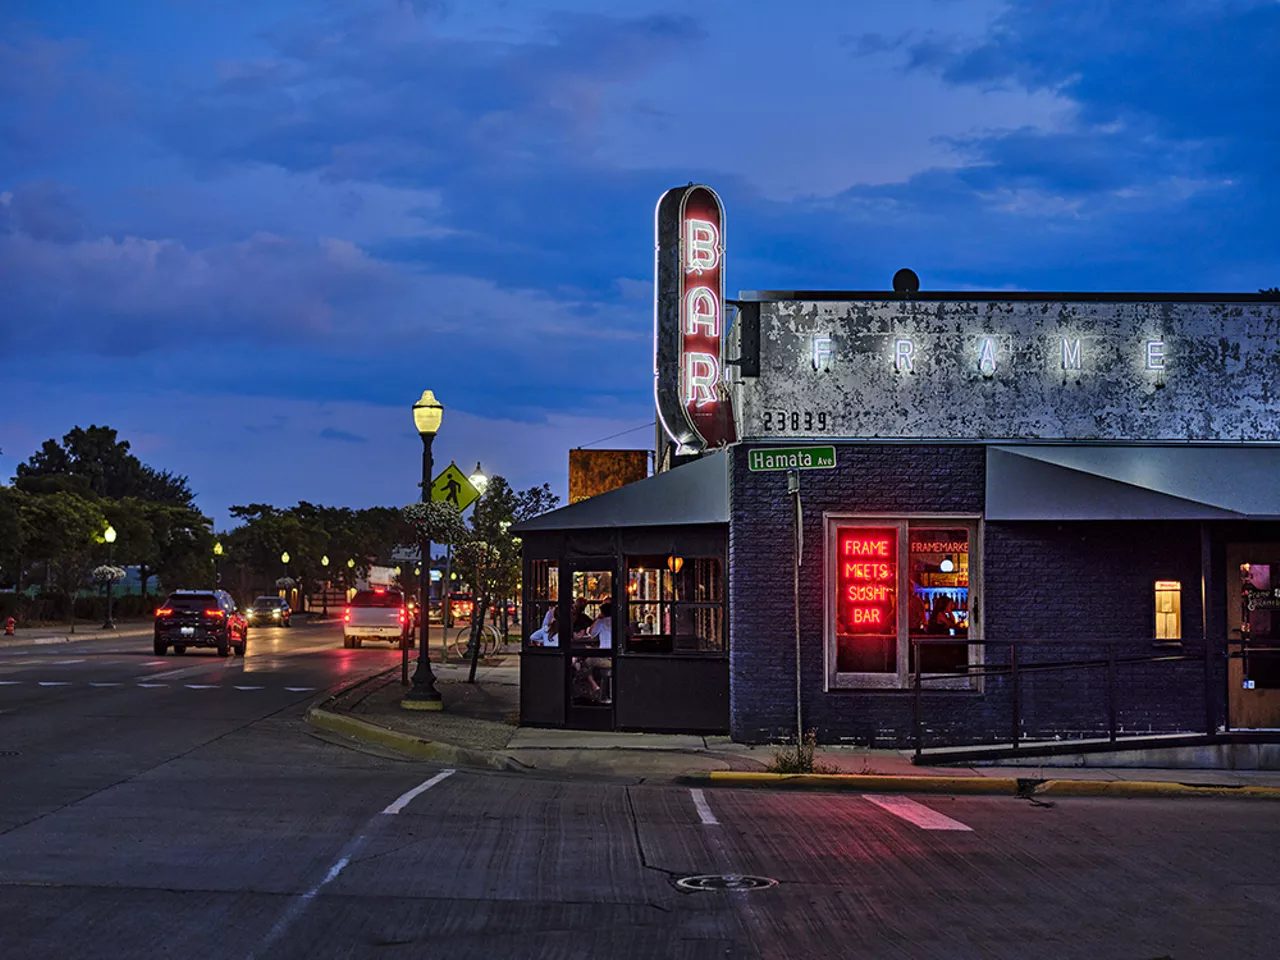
[[541, 608], [1168, 610], [896, 587], [675, 604]]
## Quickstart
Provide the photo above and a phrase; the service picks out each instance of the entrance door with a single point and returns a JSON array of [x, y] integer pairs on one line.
[[1253, 631], [589, 651]]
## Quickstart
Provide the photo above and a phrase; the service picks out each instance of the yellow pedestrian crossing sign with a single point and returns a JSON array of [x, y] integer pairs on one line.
[[452, 486]]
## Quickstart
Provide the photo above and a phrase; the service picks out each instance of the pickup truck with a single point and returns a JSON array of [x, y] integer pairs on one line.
[[376, 614]]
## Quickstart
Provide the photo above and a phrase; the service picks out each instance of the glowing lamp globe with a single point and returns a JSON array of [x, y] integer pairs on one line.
[[427, 414]]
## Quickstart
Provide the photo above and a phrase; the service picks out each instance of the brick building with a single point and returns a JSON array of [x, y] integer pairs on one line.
[[936, 518]]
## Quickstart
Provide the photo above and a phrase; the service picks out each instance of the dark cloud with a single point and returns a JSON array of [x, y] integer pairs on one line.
[[330, 433]]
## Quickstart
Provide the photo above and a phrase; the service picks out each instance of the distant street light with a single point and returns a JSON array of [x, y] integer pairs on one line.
[[478, 479], [109, 535], [324, 597], [428, 412], [217, 564]]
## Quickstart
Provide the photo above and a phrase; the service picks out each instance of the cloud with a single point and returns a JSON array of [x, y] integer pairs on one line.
[[329, 433]]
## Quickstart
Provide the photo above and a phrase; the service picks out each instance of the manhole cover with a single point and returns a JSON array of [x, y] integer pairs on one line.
[[726, 881]]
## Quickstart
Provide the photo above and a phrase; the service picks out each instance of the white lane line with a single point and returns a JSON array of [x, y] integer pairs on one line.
[[296, 908], [202, 686], [703, 808], [155, 663], [105, 683], [406, 798], [63, 663], [299, 689], [152, 686], [915, 813], [55, 683], [9, 683], [248, 688]]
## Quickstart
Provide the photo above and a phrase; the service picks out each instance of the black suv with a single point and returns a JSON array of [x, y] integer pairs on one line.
[[200, 618], [269, 612]]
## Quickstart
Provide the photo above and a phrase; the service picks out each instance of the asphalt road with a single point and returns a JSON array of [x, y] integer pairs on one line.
[[180, 807]]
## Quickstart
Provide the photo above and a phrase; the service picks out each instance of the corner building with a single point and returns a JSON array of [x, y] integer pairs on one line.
[[1050, 517]]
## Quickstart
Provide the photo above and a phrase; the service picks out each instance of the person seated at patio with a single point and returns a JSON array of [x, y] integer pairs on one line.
[[547, 634], [600, 633]]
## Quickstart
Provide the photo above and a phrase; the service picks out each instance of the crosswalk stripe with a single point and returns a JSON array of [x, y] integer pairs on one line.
[[915, 813], [152, 686], [9, 683], [299, 689], [248, 688], [54, 683], [105, 683], [202, 686]]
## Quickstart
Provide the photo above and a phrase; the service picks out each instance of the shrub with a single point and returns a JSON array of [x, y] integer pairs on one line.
[[798, 757]]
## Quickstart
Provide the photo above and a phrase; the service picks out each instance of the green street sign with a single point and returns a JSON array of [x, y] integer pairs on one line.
[[791, 458], [452, 486]]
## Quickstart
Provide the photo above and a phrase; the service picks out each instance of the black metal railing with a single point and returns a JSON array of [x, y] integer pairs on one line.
[[1015, 670]]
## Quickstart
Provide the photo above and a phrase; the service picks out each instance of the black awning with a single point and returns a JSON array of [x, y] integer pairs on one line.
[[694, 493], [1158, 482]]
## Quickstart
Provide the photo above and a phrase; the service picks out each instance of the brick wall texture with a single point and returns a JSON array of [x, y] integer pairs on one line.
[[1078, 587]]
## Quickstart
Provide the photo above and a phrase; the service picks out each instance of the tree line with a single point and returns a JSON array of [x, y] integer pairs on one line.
[[54, 515]]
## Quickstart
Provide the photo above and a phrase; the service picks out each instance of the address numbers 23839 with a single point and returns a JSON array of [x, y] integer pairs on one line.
[[794, 421]]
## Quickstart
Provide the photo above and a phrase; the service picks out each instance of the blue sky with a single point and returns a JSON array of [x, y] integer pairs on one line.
[[249, 234]]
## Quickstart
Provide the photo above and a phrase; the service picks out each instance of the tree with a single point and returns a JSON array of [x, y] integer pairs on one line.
[[1270, 292], [62, 531], [11, 538], [487, 554], [108, 466]]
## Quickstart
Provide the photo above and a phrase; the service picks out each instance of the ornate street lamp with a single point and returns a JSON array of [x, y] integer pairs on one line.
[[478, 479], [324, 597], [109, 535], [217, 564], [427, 414]]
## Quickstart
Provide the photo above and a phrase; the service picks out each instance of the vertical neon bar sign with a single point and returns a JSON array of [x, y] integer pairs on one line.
[[693, 404]]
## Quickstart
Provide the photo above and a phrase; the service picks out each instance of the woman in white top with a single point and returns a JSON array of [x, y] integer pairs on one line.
[[546, 635], [602, 629]]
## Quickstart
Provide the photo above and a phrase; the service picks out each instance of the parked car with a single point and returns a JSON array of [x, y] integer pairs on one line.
[[378, 614], [200, 618], [269, 612]]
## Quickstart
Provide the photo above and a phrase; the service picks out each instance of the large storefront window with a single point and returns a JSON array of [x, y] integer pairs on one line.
[[674, 604], [892, 582]]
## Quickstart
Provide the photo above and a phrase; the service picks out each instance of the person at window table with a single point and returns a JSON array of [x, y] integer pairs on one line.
[[546, 635], [600, 632], [943, 620], [579, 618]]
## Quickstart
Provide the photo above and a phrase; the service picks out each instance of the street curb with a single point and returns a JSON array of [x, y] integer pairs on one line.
[[413, 746], [1005, 786]]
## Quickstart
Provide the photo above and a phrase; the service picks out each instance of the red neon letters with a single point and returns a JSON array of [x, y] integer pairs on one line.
[[867, 581]]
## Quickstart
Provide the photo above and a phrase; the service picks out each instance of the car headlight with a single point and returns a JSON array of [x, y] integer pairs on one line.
[[275, 613], [248, 613]]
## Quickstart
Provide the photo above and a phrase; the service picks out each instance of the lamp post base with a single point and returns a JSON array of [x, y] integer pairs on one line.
[[108, 625]]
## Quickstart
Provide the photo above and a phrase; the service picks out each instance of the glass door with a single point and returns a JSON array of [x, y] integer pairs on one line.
[[590, 629], [1253, 636]]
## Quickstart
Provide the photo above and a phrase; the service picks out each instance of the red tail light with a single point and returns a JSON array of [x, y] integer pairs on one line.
[[164, 612], [346, 615], [402, 615], [215, 613]]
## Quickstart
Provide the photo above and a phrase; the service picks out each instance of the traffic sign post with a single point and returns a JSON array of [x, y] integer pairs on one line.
[[452, 486], [791, 458]]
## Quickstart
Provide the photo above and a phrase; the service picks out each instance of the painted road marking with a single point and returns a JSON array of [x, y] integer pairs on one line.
[[55, 683], [704, 810], [105, 683], [299, 689], [63, 663], [152, 686], [9, 683], [916, 813], [248, 688], [406, 798], [202, 686]]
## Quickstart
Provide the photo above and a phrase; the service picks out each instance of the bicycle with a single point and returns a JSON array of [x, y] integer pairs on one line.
[[489, 640]]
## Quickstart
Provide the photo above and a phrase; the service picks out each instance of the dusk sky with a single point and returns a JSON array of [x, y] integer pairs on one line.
[[249, 234]]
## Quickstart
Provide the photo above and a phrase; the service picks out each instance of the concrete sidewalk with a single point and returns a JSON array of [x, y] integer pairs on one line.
[[84, 631], [478, 728]]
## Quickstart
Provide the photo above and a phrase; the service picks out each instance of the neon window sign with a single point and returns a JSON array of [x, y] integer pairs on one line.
[[867, 581]]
